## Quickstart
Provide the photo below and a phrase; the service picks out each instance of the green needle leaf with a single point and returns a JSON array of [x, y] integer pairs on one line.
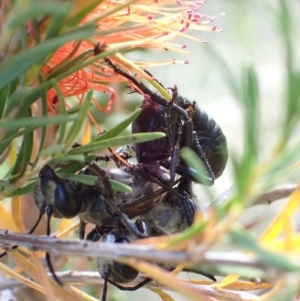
[[118, 141]]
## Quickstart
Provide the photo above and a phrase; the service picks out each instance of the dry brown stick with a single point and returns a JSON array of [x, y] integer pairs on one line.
[[208, 290], [94, 278], [117, 251], [276, 194], [265, 198]]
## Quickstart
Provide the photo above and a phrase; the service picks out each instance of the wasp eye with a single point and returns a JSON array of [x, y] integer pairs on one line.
[[67, 201]]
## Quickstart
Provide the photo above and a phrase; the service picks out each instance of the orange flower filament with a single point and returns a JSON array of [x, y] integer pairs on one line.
[[144, 24]]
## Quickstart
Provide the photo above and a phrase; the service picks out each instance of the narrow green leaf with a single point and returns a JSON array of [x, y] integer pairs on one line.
[[44, 128], [4, 143], [52, 149], [58, 20], [30, 124], [13, 85], [36, 121], [118, 141], [75, 109], [74, 167], [250, 96], [24, 97], [90, 180], [33, 10], [24, 155], [62, 110], [83, 179], [82, 13], [28, 139], [23, 190], [20, 63], [119, 128], [77, 125], [120, 187], [3, 95], [110, 12], [188, 233], [10, 135], [292, 107], [251, 100], [74, 62], [15, 99], [67, 159]]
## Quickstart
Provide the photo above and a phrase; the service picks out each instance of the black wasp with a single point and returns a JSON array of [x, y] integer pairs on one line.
[[156, 212], [163, 212], [96, 204], [60, 198], [199, 131]]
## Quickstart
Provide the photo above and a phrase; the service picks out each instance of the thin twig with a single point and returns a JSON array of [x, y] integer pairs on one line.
[[117, 251], [266, 198], [75, 277], [276, 194]]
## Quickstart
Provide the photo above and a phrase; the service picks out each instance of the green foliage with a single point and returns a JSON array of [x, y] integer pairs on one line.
[[22, 86]]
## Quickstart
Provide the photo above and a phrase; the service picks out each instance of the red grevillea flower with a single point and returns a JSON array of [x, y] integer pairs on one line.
[[144, 24]]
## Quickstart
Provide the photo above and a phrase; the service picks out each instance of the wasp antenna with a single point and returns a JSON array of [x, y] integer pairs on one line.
[[128, 76]]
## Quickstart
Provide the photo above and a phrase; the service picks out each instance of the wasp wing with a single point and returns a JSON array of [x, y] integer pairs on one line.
[[142, 205]]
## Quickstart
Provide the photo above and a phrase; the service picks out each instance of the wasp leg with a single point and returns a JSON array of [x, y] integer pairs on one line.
[[147, 280], [174, 147], [190, 139], [81, 229], [94, 235], [47, 257], [104, 292], [130, 288], [208, 275], [127, 222], [201, 154], [189, 207], [149, 73], [157, 98]]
